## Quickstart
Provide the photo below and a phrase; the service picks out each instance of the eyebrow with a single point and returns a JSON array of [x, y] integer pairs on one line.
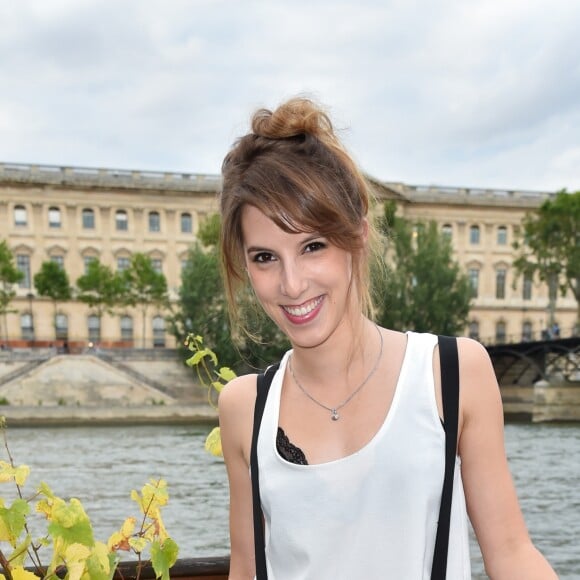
[[311, 237]]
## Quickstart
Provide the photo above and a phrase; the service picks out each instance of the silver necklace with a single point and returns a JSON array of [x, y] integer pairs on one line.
[[334, 410]]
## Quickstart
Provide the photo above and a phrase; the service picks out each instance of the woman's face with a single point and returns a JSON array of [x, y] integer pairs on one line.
[[302, 281]]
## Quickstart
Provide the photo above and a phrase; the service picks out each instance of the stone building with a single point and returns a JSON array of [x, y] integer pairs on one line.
[[73, 215]]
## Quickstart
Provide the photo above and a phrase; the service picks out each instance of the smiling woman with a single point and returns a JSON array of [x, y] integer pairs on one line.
[[349, 433]]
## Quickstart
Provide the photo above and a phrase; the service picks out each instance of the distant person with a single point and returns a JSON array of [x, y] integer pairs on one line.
[[555, 330], [351, 443]]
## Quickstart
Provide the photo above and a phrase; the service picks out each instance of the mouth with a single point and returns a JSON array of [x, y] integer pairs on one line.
[[303, 310]]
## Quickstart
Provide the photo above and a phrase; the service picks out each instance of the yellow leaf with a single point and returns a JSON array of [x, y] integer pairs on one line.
[[213, 443], [117, 541], [226, 374], [21, 474], [76, 553], [18, 474], [22, 574], [128, 526], [138, 544]]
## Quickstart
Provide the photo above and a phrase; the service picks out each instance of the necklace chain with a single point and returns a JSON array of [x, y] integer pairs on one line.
[[334, 410]]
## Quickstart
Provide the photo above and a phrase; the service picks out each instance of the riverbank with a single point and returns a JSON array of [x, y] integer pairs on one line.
[[63, 416]]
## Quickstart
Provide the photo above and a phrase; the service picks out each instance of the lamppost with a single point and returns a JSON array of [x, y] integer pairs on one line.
[[30, 297]]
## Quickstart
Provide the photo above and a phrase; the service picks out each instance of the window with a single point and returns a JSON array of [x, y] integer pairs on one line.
[[473, 274], [158, 331], [94, 327], [501, 236], [500, 332], [527, 287], [58, 260], [23, 264], [157, 265], [186, 223], [447, 231], [20, 216], [154, 221], [500, 276], [527, 331], [184, 264], [61, 324], [26, 326], [123, 263], [474, 235], [54, 217], [87, 262], [88, 219], [126, 329], [474, 329], [121, 220]]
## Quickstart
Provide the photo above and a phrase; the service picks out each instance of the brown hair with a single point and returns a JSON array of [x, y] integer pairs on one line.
[[292, 167]]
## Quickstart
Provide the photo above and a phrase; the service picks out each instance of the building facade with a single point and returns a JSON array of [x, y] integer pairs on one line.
[[73, 215]]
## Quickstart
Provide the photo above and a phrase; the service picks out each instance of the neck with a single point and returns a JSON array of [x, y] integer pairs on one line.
[[341, 360]]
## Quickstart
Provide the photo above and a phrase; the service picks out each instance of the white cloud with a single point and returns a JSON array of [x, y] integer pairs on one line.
[[461, 93]]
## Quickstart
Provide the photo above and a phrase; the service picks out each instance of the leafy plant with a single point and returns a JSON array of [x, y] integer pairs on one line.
[[9, 275], [69, 532], [213, 377]]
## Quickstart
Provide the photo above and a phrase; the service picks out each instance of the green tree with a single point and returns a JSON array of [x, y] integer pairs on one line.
[[549, 246], [144, 287], [52, 281], [423, 288], [101, 288], [9, 276]]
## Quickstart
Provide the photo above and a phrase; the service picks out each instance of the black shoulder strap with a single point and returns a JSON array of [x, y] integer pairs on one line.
[[263, 386], [450, 395]]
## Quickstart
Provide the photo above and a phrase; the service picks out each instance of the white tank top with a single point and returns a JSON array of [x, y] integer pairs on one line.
[[373, 514]]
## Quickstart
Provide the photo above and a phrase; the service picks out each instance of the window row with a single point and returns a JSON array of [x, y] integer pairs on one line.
[[526, 332], [94, 328], [123, 262], [501, 238], [89, 223], [500, 283]]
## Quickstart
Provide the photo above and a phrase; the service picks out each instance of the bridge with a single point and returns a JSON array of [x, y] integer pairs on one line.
[[525, 363]]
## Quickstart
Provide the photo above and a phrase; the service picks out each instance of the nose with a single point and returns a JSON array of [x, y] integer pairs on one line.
[[293, 282]]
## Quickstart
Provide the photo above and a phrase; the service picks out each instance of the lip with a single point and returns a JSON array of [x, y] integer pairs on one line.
[[305, 312]]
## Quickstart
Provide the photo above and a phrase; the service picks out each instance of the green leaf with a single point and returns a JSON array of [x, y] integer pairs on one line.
[[163, 557], [226, 374], [12, 521], [70, 523]]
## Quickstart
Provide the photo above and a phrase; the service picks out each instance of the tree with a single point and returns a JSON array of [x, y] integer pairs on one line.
[[549, 246], [100, 288], [144, 287], [52, 281], [9, 275], [423, 288]]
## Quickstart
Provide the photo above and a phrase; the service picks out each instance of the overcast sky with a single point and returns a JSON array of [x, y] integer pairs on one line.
[[480, 93]]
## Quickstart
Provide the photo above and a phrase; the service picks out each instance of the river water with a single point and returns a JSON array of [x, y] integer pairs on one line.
[[101, 465]]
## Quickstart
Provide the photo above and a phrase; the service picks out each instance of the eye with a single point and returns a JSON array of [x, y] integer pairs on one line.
[[262, 257], [314, 246]]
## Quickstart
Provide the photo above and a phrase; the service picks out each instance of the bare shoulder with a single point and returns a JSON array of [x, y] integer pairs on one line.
[[479, 390], [236, 416], [238, 393]]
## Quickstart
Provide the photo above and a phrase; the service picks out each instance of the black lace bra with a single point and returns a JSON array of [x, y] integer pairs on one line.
[[288, 450]]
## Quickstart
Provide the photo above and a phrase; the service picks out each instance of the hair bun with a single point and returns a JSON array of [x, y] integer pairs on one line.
[[297, 116]]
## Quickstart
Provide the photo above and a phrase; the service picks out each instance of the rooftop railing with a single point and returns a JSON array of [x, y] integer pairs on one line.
[[101, 176]]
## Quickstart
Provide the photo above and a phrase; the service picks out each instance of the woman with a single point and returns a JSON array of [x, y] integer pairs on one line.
[[351, 445]]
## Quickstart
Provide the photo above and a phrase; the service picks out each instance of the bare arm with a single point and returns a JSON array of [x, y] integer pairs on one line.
[[236, 412], [490, 493]]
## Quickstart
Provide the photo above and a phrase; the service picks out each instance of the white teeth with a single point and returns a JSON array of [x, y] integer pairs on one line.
[[302, 310]]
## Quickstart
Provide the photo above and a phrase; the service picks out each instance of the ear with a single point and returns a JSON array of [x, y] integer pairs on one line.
[[365, 231]]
